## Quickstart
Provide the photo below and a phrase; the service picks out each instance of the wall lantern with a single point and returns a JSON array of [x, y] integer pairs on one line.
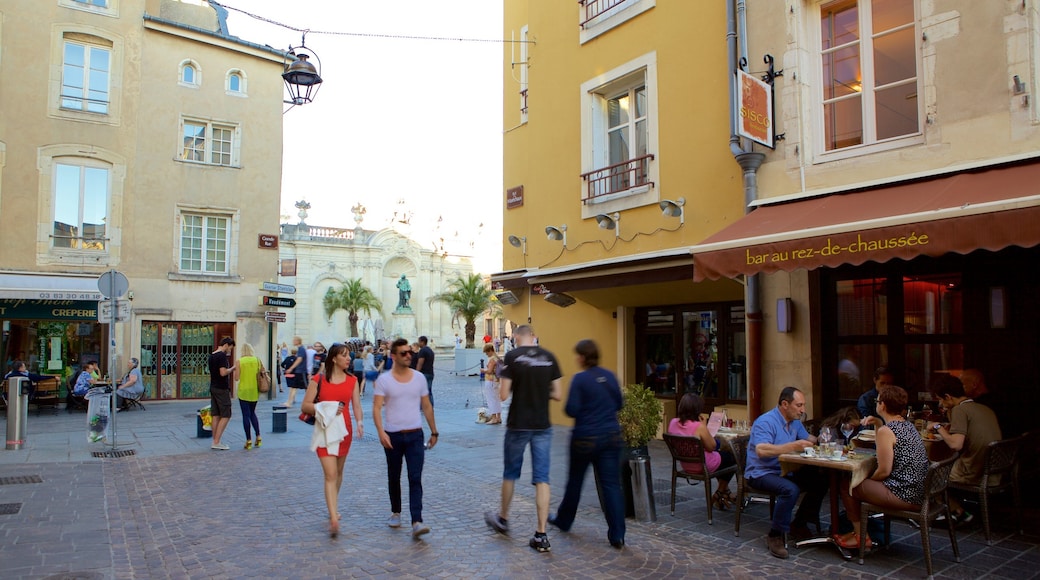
[[557, 233], [610, 222], [784, 314], [520, 242], [674, 209], [302, 78]]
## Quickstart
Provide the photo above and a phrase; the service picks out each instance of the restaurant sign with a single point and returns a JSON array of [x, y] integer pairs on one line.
[[78, 310], [755, 109]]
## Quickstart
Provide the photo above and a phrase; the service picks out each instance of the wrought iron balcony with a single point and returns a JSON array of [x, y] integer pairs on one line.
[[594, 8], [617, 178]]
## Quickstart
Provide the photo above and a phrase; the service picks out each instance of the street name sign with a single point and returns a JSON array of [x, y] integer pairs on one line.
[[276, 301], [274, 316], [277, 288]]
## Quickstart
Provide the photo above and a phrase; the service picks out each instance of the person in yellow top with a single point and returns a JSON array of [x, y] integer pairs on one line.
[[248, 393]]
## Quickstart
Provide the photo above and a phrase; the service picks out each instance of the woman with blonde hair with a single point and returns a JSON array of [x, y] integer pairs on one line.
[[248, 393], [491, 374]]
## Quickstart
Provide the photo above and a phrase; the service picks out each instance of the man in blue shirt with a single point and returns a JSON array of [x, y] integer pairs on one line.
[[774, 433]]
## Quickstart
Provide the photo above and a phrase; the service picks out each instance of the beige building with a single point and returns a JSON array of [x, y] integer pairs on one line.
[[135, 136], [898, 219], [326, 257]]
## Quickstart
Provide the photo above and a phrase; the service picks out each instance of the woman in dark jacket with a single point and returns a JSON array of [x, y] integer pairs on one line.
[[594, 401]]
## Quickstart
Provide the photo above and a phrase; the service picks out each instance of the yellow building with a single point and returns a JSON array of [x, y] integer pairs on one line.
[[135, 136], [900, 214], [616, 115]]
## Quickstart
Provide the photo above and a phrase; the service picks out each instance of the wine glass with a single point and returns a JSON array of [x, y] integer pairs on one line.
[[847, 429]]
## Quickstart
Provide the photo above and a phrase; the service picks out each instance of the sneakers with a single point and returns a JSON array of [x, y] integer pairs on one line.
[[496, 523], [394, 521], [617, 544], [540, 542], [249, 445], [963, 518], [419, 528], [219, 446], [258, 443], [776, 546]]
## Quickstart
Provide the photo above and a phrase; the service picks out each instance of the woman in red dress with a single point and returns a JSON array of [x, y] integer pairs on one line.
[[337, 384]]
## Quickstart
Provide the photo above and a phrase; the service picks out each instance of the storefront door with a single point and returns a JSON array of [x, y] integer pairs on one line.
[[175, 357]]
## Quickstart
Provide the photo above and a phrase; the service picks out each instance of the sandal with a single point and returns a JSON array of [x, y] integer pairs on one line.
[[850, 541], [719, 500]]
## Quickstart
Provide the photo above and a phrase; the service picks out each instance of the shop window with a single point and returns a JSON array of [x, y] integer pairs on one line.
[[204, 244], [862, 307], [81, 198], [210, 143], [869, 71], [175, 357]]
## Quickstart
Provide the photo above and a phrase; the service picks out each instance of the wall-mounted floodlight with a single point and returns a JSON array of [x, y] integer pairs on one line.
[[557, 233], [560, 299], [610, 222], [520, 242], [674, 209], [507, 297]]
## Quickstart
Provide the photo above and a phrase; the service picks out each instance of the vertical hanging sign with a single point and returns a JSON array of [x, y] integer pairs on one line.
[[755, 109]]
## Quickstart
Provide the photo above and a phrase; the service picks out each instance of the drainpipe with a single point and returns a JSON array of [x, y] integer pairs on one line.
[[749, 161]]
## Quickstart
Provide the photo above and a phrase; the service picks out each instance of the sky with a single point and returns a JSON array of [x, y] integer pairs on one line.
[[412, 120]]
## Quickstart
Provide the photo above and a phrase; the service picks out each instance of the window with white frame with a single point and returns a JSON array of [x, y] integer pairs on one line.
[[620, 154], [205, 241], [103, 7], [869, 72], [598, 16], [524, 55], [236, 83], [98, 3], [208, 142], [81, 199], [85, 78], [190, 74]]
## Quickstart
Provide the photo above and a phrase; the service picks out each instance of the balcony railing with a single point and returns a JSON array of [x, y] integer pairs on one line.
[[617, 178], [594, 8]]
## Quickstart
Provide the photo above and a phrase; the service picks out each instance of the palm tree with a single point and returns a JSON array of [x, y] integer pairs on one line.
[[354, 297], [467, 297]]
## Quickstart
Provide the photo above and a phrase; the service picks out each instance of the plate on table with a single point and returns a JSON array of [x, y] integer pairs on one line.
[[867, 435], [839, 458]]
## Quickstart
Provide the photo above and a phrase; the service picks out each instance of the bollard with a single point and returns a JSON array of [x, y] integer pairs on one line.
[[279, 416], [17, 412], [643, 489]]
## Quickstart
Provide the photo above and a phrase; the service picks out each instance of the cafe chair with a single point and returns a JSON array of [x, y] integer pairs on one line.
[[691, 450], [131, 402], [45, 395], [738, 447], [936, 503], [999, 474]]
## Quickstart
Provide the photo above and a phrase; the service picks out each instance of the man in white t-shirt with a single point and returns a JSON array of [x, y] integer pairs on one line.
[[403, 391]]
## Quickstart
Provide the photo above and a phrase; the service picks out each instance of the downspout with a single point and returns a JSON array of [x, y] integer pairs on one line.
[[749, 161]]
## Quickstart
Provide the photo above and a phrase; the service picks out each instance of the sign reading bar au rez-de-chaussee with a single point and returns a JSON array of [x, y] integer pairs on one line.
[[276, 301], [755, 109]]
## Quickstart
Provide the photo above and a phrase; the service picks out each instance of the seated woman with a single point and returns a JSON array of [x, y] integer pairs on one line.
[[902, 461], [844, 420], [688, 424]]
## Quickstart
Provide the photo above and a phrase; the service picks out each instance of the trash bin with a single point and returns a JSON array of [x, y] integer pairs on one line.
[[99, 414], [204, 424], [17, 411], [643, 489], [279, 419]]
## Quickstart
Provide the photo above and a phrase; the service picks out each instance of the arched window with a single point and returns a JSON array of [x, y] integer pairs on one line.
[[235, 83], [190, 74]]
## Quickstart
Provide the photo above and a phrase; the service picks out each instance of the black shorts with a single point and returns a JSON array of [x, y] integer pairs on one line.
[[220, 402]]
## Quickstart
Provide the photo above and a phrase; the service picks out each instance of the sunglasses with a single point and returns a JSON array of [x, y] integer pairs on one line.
[[405, 353]]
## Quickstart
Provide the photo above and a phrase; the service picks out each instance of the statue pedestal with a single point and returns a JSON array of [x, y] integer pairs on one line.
[[404, 326]]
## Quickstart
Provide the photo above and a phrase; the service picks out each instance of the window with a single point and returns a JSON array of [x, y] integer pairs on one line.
[[619, 138], [524, 55], [81, 195], [210, 143], [236, 83], [98, 3], [102, 7], [598, 16], [205, 240], [85, 77], [190, 74], [869, 71]]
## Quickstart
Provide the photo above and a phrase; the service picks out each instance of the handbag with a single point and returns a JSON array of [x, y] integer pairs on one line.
[[263, 380], [305, 417]]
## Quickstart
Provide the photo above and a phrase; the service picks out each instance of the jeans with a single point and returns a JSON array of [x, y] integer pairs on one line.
[[513, 453], [249, 417], [787, 489], [429, 387], [604, 453], [411, 448]]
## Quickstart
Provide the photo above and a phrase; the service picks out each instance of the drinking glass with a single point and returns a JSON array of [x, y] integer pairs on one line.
[[847, 429]]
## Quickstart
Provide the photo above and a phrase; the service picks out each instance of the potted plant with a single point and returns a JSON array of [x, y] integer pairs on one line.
[[640, 419]]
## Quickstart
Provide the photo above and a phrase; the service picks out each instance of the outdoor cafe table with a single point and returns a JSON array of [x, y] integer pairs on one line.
[[853, 469]]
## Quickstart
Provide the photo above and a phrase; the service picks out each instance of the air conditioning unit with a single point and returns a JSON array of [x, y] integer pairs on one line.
[[559, 299], [507, 297]]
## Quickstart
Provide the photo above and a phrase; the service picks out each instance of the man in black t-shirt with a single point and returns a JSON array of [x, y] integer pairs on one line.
[[220, 376], [532, 376], [424, 364]]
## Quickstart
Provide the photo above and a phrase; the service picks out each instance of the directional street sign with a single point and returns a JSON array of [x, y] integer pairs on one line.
[[274, 316], [105, 311], [278, 288], [276, 301]]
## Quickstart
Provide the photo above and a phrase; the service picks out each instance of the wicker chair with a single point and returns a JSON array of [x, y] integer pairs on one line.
[[999, 474], [936, 503], [738, 447], [691, 450]]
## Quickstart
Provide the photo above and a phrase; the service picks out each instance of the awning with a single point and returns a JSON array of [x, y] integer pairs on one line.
[[988, 209], [45, 287]]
